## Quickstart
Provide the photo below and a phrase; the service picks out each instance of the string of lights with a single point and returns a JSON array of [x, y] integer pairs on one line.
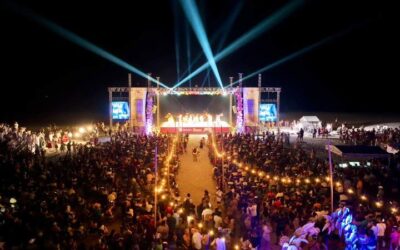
[[364, 199]]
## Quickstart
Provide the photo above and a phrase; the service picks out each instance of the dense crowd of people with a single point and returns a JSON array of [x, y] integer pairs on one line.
[[280, 204], [374, 137], [96, 195], [101, 195]]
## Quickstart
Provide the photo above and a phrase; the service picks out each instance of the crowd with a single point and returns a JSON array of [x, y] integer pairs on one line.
[[97, 195], [360, 136], [101, 196], [278, 204]]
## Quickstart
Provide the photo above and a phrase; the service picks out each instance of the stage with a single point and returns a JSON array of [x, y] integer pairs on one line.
[[194, 127]]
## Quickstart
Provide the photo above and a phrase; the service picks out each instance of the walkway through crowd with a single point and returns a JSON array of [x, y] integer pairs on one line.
[[196, 176]]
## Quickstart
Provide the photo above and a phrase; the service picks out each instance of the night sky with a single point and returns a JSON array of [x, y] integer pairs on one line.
[[47, 78]]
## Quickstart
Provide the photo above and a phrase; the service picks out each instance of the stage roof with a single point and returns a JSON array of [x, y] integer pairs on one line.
[[357, 152]]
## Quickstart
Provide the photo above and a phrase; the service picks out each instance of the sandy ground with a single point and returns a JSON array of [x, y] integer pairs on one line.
[[195, 177]]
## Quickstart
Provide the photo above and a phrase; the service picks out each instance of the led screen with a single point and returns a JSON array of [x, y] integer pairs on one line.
[[267, 112], [120, 110]]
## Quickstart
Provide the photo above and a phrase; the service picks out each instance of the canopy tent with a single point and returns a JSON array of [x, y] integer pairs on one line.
[[308, 123], [358, 152]]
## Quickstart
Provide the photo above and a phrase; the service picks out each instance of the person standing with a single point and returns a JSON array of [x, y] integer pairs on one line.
[[219, 242], [195, 153]]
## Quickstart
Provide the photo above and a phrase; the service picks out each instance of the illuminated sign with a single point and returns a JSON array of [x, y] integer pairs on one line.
[[267, 112], [120, 110]]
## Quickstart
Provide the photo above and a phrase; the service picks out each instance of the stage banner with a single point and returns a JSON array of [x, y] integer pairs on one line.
[[138, 109], [250, 106]]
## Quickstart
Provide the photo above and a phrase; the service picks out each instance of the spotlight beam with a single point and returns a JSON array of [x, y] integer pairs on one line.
[[228, 26], [188, 52], [176, 33], [256, 31], [224, 30], [191, 11], [292, 56], [74, 38]]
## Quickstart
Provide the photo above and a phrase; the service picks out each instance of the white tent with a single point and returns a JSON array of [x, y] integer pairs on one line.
[[308, 123]]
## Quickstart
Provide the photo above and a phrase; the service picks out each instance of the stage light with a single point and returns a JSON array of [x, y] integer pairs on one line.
[[256, 31], [180, 211], [394, 210], [350, 191], [307, 180], [74, 38], [378, 204], [363, 197], [200, 225], [211, 232], [236, 246], [191, 11], [77, 135], [82, 130], [292, 56]]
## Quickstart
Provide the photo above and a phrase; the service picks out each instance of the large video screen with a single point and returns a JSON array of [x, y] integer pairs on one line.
[[120, 110], [195, 104], [267, 112]]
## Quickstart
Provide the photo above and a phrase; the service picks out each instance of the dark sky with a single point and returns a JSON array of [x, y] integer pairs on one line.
[[45, 77]]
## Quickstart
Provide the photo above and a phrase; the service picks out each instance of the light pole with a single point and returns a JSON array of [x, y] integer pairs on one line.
[[330, 173]]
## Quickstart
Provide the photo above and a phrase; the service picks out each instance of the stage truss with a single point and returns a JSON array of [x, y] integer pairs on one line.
[[144, 103]]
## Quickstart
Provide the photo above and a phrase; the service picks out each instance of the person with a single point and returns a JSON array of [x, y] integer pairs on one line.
[[266, 237], [301, 134], [202, 142], [195, 154], [395, 238], [381, 233], [196, 239], [219, 242], [380, 193]]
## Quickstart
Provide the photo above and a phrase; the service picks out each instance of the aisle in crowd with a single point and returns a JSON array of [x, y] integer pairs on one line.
[[196, 171]]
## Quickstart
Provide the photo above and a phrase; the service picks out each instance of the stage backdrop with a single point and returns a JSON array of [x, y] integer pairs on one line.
[[138, 107], [195, 104], [250, 106]]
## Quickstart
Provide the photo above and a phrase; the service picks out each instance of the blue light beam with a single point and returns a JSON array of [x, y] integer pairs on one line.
[[188, 51], [256, 31], [191, 11], [74, 38], [292, 56], [228, 26], [177, 44]]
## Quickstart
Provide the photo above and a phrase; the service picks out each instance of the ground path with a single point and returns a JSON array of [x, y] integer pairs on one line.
[[195, 177]]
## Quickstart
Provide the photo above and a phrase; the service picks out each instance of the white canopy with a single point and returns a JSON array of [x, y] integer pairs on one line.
[[310, 119]]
